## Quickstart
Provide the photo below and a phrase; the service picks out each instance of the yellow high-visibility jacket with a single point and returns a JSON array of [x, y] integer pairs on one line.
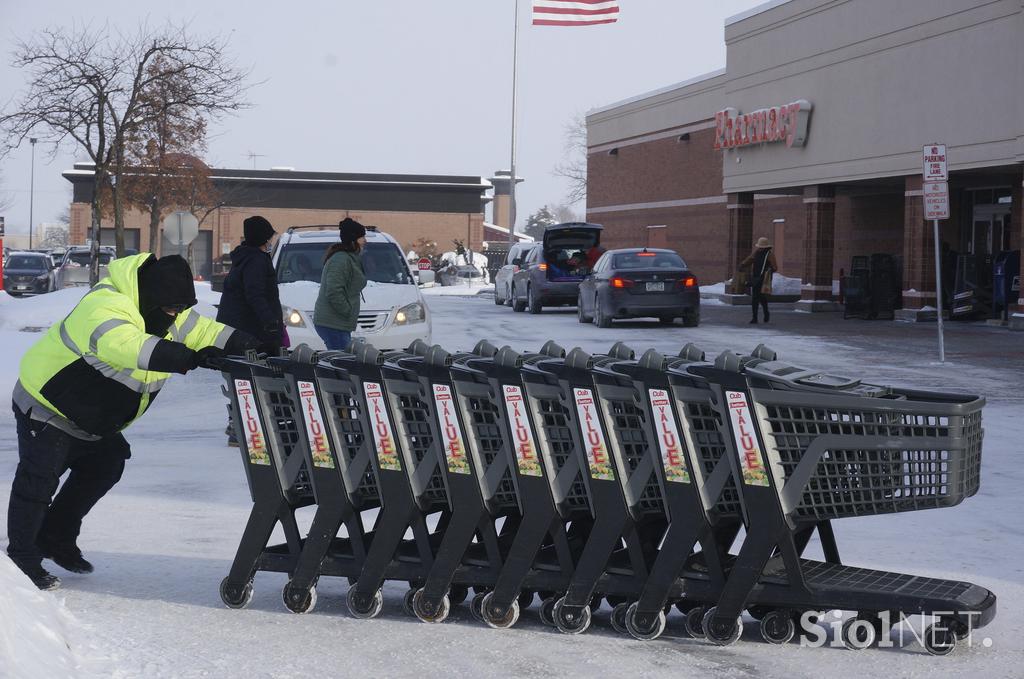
[[89, 374]]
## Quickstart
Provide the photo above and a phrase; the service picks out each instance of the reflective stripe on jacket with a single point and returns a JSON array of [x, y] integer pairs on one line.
[[90, 372]]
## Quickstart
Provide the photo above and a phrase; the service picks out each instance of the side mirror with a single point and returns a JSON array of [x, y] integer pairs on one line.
[[427, 277]]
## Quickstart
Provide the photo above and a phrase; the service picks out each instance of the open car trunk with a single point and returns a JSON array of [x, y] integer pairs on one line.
[[567, 250]]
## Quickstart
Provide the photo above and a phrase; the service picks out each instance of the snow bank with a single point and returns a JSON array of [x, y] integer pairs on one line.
[[38, 636], [781, 285], [18, 313]]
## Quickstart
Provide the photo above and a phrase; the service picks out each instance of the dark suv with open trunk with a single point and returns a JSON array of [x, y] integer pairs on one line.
[[552, 271]]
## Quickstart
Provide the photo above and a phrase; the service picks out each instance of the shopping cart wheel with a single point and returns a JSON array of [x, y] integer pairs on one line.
[[365, 607], [457, 594], [298, 600], [858, 633], [778, 627], [427, 612], [571, 620], [547, 611], [525, 600], [407, 602], [960, 630], [721, 633], [940, 639], [499, 619], [694, 622], [618, 618], [476, 605], [235, 596], [638, 631]]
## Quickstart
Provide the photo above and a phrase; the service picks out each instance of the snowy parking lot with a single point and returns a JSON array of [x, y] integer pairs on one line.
[[164, 538]]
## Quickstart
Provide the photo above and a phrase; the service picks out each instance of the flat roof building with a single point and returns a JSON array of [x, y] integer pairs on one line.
[[812, 136]]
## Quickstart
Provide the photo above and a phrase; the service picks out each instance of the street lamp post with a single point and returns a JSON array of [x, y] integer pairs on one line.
[[32, 192]]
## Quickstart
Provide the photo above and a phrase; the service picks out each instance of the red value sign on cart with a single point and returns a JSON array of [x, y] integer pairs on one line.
[[593, 437], [454, 444], [380, 424], [313, 418], [751, 458], [668, 437], [255, 441], [522, 433]]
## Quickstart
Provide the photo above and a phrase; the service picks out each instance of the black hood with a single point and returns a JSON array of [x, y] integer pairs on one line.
[[164, 282]]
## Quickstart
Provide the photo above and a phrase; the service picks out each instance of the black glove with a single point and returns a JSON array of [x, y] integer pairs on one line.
[[171, 357], [209, 358], [239, 342], [271, 340]]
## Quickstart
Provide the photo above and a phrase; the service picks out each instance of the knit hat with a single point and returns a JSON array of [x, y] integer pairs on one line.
[[164, 282], [351, 230], [257, 231], [762, 243]]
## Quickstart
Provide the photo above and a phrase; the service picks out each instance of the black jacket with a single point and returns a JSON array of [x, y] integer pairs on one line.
[[250, 301]]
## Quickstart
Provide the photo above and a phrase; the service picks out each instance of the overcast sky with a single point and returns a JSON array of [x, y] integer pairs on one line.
[[408, 86]]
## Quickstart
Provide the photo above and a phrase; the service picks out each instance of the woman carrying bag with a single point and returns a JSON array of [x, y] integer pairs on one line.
[[341, 287], [762, 265]]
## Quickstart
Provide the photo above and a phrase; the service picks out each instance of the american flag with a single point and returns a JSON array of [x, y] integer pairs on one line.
[[574, 12]]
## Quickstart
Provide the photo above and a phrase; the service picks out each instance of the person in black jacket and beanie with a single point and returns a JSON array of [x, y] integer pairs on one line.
[[250, 300]]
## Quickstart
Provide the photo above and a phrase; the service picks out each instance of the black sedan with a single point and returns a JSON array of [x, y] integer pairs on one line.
[[28, 273], [639, 283]]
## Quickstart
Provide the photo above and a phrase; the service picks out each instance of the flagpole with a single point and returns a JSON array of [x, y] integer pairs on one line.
[[512, 163]]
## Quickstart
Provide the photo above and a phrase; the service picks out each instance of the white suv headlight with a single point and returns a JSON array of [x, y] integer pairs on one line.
[[412, 313], [292, 318]]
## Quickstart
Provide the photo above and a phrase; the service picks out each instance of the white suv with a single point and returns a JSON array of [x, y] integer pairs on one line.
[[392, 314]]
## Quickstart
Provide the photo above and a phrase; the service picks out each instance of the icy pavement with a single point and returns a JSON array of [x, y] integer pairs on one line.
[[163, 539]]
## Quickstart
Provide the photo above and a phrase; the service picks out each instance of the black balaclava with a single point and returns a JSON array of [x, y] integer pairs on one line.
[[164, 282], [257, 231]]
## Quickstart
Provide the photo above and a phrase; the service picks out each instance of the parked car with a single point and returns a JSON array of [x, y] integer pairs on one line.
[[74, 268], [638, 283], [57, 256], [551, 274], [503, 278], [28, 273], [393, 313]]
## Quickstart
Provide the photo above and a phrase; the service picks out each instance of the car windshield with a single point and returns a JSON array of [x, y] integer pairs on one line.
[[26, 263], [382, 263], [82, 259], [648, 260]]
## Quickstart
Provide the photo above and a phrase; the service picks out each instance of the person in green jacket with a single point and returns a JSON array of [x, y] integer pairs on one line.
[[89, 377], [341, 287]]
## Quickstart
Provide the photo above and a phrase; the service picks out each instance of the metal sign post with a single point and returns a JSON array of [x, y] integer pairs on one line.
[[936, 206]]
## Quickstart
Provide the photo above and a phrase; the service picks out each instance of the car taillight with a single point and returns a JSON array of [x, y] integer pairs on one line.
[[620, 282], [687, 282], [542, 266]]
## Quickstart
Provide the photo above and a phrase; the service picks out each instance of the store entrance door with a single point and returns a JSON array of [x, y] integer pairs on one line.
[[988, 235], [990, 230]]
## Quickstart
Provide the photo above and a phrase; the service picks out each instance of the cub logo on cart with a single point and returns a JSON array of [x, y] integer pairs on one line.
[[668, 437], [751, 457], [522, 433], [380, 424], [255, 441], [454, 444], [315, 430], [593, 437]]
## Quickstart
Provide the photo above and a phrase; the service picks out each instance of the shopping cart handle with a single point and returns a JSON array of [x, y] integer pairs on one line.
[[419, 348], [621, 351], [303, 353], [436, 356], [579, 360], [507, 357], [764, 353], [691, 352], [485, 349], [653, 360], [366, 352], [729, 361], [552, 349]]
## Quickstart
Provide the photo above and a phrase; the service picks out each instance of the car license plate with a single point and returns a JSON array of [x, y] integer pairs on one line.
[[21, 287], [656, 287]]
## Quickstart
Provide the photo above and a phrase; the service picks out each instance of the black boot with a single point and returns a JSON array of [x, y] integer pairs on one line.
[[67, 557], [753, 321], [39, 576]]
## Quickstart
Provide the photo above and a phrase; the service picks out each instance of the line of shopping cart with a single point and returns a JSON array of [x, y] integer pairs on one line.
[[572, 479]]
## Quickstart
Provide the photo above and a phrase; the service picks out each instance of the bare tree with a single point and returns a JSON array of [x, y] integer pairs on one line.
[[88, 86], [565, 214], [5, 198], [574, 164]]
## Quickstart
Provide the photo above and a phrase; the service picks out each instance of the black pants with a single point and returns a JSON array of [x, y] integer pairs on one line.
[[45, 453], [758, 297]]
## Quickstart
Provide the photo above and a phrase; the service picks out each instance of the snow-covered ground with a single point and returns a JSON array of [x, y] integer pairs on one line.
[[164, 538]]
